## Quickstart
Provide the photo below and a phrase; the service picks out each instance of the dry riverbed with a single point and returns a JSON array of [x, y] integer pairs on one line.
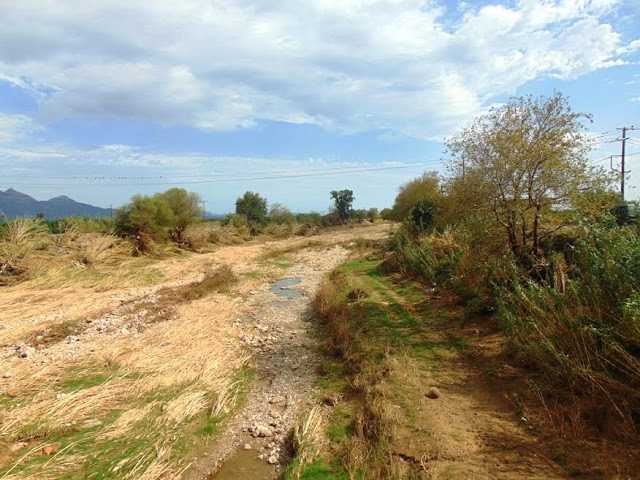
[[166, 380]]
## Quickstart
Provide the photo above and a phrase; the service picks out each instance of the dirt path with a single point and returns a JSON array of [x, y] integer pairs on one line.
[[474, 426]]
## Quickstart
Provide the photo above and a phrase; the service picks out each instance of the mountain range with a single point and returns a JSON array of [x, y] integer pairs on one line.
[[16, 204]]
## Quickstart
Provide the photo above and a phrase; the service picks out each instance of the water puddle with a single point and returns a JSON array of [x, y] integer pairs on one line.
[[244, 465], [282, 287]]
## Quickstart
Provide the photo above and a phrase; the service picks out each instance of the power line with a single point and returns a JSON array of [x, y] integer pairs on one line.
[[355, 168], [227, 180]]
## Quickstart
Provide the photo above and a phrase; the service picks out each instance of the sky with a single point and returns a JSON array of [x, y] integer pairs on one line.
[[101, 100]]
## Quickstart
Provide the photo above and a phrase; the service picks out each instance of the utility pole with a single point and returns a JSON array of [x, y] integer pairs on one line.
[[204, 202], [623, 172], [111, 211]]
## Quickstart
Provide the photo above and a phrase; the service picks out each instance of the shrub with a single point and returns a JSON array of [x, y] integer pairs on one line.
[[185, 209], [144, 221], [580, 326], [253, 207]]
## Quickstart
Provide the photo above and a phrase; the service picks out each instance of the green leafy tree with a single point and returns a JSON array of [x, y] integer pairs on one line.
[[185, 207], [144, 220], [252, 206], [343, 200], [522, 164], [426, 186]]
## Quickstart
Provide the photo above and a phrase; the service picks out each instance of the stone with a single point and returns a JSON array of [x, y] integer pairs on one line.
[[6, 375], [17, 446], [273, 460], [24, 355], [263, 431], [247, 446], [433, 393]]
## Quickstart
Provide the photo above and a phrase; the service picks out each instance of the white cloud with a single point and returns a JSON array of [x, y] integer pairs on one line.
[[16, 127], [404, 65], [635, 99]]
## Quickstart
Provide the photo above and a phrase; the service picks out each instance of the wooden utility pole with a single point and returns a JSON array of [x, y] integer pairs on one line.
[[622, 172], [204, 202]]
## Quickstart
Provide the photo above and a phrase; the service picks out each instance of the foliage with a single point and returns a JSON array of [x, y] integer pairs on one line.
[[523, 162], [580, 326], [280, 214], [426, 186], [253, 207], [386, 214], [185, 209], [144, 220], [373, 214], [343, 200], [422, 216]]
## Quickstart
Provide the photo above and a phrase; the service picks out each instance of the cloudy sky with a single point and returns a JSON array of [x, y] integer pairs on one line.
[[103, 99]]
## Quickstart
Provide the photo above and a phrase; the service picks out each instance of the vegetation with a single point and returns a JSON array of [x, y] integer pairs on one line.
[[424, 187], [522, 228], [253, 207], [521, 164], [343, 201]]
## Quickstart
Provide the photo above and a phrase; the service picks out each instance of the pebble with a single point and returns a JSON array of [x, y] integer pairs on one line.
[[433, 393], [247, 447]]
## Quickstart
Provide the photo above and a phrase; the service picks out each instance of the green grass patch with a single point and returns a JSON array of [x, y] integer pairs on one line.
[[80, 383], [341, 425], [318, 470]]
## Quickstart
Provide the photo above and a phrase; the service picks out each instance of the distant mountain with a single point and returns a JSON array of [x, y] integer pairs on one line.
[[16, 204]]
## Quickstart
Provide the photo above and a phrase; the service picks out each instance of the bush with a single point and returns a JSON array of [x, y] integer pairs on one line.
[[19, 239], [253, 207], [580, 326], [426, 186], [144, 221], [185, 209]]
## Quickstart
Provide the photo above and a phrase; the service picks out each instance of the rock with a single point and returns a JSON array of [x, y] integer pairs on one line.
[[6, 375], [433, 393], [51, 449], [273, 460], [24, 355], [263, 431], [40, 346], [17, 446], [247, 447]]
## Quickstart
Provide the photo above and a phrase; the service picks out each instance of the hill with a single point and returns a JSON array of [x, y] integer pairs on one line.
[[16, 204]]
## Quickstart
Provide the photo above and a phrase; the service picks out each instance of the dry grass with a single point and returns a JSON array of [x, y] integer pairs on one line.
[[159, 384], [307, 442]]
